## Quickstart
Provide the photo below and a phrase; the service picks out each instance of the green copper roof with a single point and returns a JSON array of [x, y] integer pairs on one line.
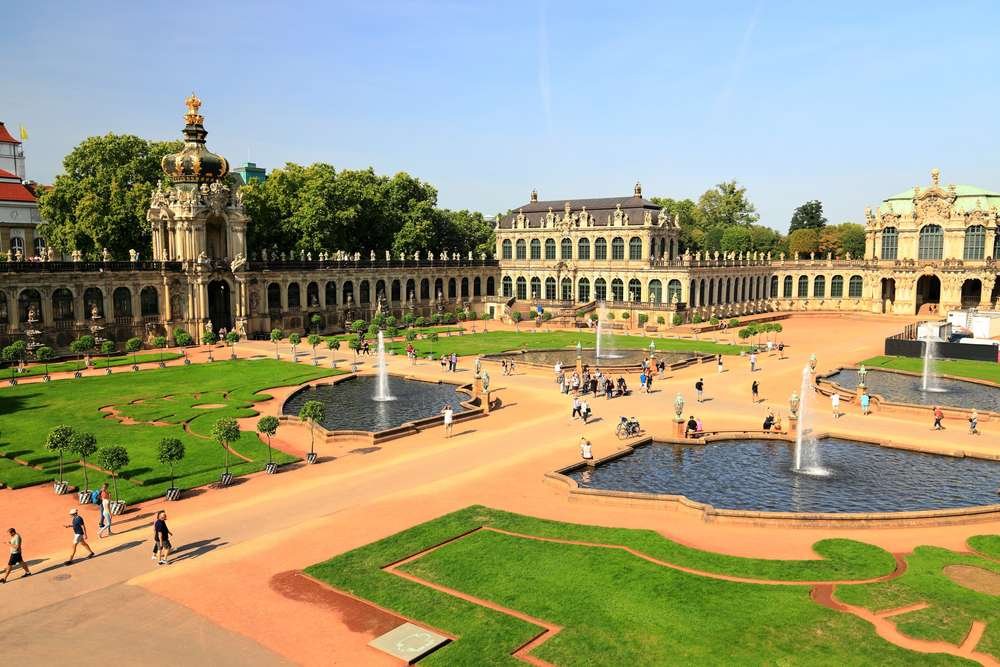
[[967, 198]]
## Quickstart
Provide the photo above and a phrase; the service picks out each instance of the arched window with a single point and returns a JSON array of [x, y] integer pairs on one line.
[[121, 300], [931, 244], [507, 286], [854, 287], [294, 298], [583, 249], [17, 243], [890, 243], [27, 299], [505, 249], [566, 289], [674, 291], [312, 295], [451, 288], [477, 286], [635, 248], [550, 248], [62, 305], [565, 249], [438, 289], [348, 293], [330, 294], [521, 249], [655, 291], [536, 249], [837, 287], [425, 289], [364, 292], [701, 292], [395, 290], [729, 296], [149, 302], [536, 288], [600, 290], [550, 288], [996, 244], [465, 288], [819, 287], [711, 292], [491, 288], [600, 248], [583, 290], [617, 290], [803, 287], [618, 248], [975, 242], [380, 290], [787, 288], [92, 297], [774, 287], [634, 290], [39, 246], [522, 288], [274, 296]]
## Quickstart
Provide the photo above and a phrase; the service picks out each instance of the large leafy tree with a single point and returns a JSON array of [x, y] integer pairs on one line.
[[803, 241], [692, 235], [101, 199], [726, 205], [807, 216]]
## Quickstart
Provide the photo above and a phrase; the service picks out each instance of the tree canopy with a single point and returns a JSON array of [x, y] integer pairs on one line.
[[100, 200], [723, 219], [807, 216]]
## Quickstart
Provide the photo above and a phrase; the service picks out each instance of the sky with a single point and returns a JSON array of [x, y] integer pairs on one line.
[[847, 103]]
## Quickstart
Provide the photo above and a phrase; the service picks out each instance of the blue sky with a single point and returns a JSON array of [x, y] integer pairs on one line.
[[847, 103]]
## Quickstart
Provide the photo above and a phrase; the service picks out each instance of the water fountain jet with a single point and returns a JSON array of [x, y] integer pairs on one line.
[[382, 374], [807, 460]]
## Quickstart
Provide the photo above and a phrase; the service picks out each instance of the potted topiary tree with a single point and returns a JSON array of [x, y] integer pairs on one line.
[[84, 445], [59, 440], [114, 459], [311, 413], [12, 353], [87, 344], [44, 354], [276, 336], [171, 451], [160, 342], [107, 349], [76, 347], [677, 319], [133, 345], [357, 326], [183, 339], [516, 317], [313, 341], [209, 338], [333, 344], [268, 426], [231, 339], [225, 431], [294, 340], [316, 320]]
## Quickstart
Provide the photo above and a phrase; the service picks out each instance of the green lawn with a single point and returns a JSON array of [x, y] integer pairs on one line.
[[978, 370], [615, 608], [503, 341], [29, 411], [100, 362]]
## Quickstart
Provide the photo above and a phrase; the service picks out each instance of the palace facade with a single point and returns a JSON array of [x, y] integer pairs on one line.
[[927, 249]]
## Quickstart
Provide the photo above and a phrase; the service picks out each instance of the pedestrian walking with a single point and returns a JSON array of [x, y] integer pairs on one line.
[[642, 381], [449, 417], [699, 388], [586, 452], [974, 423], [649, 384], [444, 363], [755, 391], [938, 417], [454, 362], [576, 409], [16, 558], [161, 537], [866, 403], [835, 404], [584, 410], [781, 350], [753, 362], [79, 535], [718, 363], [105, 510]]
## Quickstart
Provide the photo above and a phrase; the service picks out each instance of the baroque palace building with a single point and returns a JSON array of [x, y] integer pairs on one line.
[[927, 248]]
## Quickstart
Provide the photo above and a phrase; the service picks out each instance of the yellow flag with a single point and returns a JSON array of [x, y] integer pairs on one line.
[[24, 133]]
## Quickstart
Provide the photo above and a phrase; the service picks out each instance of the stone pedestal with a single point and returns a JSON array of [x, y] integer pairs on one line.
[[485, 402], [793, 424], [679, 428], [477, 387], [579, 368]]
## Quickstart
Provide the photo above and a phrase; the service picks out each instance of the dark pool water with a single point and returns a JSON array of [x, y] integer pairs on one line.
[[349, 404], [757, 475], [589, 358], [899, 388]]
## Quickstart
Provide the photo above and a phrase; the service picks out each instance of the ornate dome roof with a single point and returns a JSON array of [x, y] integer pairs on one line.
[[194, 163]]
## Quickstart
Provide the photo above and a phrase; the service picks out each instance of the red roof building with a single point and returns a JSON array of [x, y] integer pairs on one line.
[[19, 216]]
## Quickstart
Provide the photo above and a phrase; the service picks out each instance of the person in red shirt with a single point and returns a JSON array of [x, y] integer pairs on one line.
[[938, 417], [105, 511]]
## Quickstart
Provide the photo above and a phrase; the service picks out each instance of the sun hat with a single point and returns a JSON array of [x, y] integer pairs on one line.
[[73, 511]]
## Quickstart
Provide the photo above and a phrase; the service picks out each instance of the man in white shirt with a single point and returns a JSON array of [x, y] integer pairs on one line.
[[585, 451], [449, 415]]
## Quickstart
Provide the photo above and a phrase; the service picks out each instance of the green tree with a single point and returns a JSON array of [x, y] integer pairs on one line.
[[225, 432], [357, 326], [312, 412], [803, 241], [736, 239], [100, 200], [170, 452], [160, 342], [209, 338], [316, 320], [726, 205], [232, 338], [44, 354], [314, 340], [686, 211], [294, 339], [268, 427], [83, 445], [333, 343], [847, 237], [133, 345], [276, 336], [182, 338], [807, 216], [107, 348], [60, 440], [114, 459]]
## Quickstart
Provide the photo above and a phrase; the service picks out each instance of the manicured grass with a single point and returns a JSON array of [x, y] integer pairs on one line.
[[100, 362], [29, 411], [977, 370], [615, 608], [503, 341], [952, 608]]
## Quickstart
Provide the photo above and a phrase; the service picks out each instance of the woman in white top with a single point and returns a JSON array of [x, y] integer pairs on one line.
[[835, 404], [585, 451], [449, 415]]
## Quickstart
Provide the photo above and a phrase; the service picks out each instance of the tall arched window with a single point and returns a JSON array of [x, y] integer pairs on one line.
[[566, 289], [507, 287], [312, 295], [17, 243], [550, 288], [600, 290], [330, 293], [890, 243], [634, 290], [854, 287], [121, 299], [522, 288], [803, 287], [39, 246], [451, 288], [364, 292], [550, 248], [536, 288], [996, 244], [583, 249], [93, 297], [464, 288], [521, 249], [600, 248], [674, 291], [411, 290], [506, 249], [787, 287], [348, 294], [583, 290], [25, 300], [62, 305], [975, 242], [294, 298], [565, 249], [774, 287], [394, 292], [425, 289], [274, 296], [491, 288], [536, 249], [931, 244], [837, 287], [617, 290], [655, 291], [477, 286], [149, 302], [819, 287], [618, 248], [635, 248]]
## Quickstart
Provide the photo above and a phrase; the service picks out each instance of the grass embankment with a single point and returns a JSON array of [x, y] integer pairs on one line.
[[171, 395], [615, 608], [495, 342], [977, 370], [100, 363], [953, 607]]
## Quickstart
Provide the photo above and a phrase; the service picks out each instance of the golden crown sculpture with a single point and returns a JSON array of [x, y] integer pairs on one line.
[[192, 117]]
